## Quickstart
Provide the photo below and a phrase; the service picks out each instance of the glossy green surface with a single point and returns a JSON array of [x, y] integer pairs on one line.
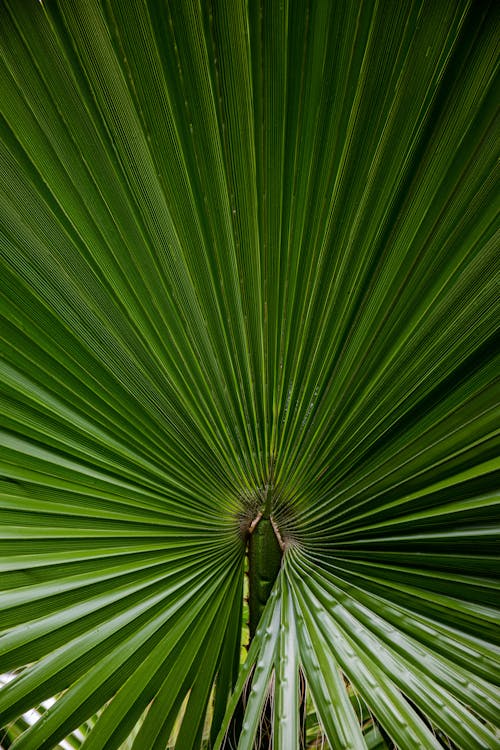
[[243, 240]]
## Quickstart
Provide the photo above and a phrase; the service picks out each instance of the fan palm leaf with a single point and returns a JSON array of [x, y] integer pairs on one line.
[[248, 257]]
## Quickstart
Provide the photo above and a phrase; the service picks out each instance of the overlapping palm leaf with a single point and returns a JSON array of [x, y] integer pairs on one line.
[[242, 240]]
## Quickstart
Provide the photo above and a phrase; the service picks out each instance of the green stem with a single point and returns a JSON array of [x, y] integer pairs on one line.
[[264, 557]]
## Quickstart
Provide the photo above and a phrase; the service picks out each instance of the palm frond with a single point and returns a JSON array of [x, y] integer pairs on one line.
[[242, 243]]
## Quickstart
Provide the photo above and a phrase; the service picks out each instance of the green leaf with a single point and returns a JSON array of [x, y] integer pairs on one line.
[[247, 266]]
